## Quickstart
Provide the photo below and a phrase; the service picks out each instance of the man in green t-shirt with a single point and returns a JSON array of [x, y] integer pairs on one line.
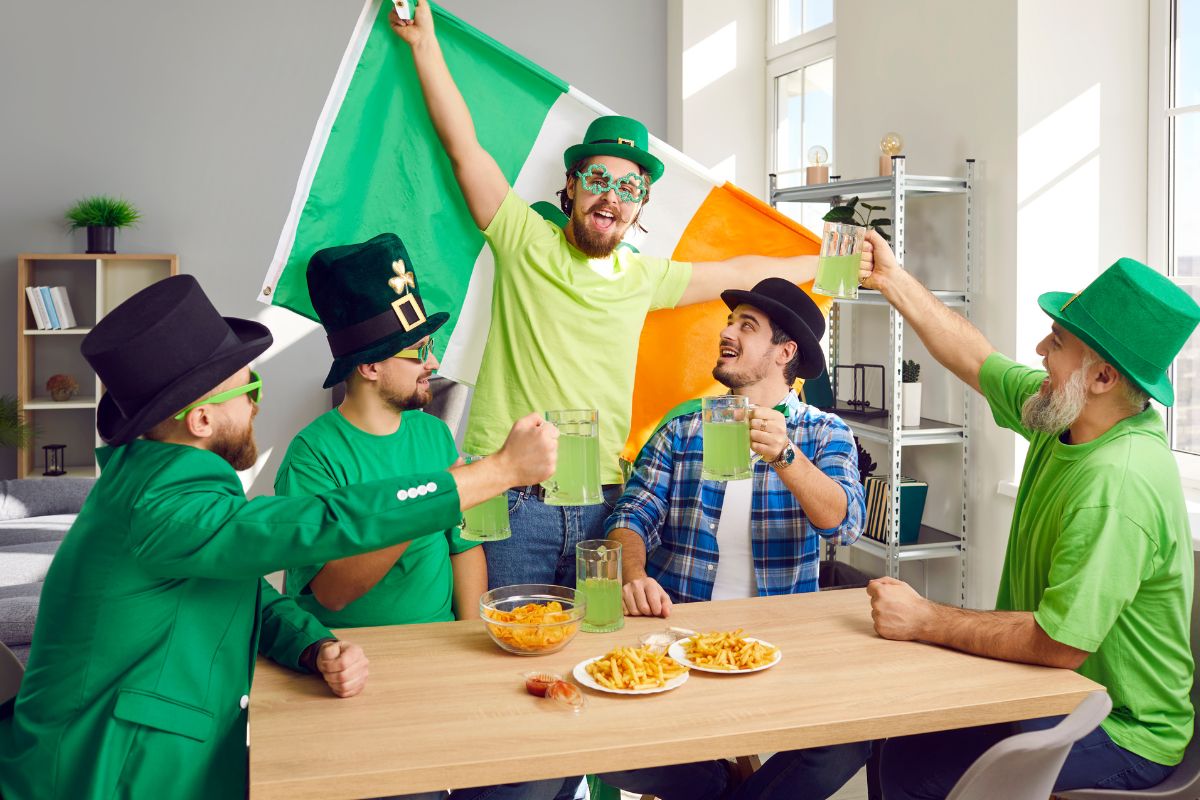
[[1098, 573], [369, 301], [568, 306]]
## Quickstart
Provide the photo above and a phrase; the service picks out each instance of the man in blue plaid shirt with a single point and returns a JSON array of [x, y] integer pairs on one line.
[[710, 540]]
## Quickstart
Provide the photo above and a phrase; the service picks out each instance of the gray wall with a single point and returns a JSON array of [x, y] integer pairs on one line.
[[201, 113]]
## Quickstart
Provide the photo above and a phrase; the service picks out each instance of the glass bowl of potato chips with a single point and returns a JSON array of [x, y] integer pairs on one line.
[[532, 619]]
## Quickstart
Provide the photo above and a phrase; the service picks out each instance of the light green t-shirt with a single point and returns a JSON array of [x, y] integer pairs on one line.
[[565, 330], [331, 452], [1100, 552]]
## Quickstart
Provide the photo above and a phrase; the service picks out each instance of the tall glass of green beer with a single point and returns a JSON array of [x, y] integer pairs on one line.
[[837, 266], [726, 438], [576, 480], [598, 579], [488, 521]]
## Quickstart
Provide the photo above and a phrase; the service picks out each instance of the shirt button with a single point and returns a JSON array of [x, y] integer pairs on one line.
[[432, 486], [711, 567], [244, 702], [402, 494]]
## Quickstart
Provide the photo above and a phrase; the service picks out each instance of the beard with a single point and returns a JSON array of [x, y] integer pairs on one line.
[[236, 447], [1053, 411], [734, 377], [417, 398], [593, 243]]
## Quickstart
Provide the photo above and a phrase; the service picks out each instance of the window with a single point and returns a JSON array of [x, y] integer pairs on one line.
[[800, 88], [1174, 196]]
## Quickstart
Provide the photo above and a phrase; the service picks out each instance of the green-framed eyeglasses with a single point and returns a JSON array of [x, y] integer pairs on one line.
[[253, 388], [419, 353], [597, 180]]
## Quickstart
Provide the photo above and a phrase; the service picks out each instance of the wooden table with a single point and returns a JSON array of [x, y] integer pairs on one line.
[[444, 707]]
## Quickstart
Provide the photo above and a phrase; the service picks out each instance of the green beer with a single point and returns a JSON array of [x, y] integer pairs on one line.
[[488, 521], [603, 598], [726, 451], [837, 276], [576, 479]]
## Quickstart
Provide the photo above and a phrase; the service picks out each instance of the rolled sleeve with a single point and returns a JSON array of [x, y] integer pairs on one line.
[[837, 457]]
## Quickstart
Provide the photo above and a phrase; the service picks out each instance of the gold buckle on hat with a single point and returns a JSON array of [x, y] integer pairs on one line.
[[408, 311], [1072, 300], [629, 142]]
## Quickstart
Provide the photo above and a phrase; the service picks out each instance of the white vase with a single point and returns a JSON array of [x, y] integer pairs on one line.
[[910, 400]]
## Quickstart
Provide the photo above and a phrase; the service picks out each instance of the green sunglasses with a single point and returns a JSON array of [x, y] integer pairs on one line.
[[419, 353], [253, 388]]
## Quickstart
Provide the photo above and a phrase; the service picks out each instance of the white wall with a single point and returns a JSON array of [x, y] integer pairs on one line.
[[717, 97], [1050, 98], [201, 115]]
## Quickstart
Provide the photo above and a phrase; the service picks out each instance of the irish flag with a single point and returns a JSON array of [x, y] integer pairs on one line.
[[375, 165]]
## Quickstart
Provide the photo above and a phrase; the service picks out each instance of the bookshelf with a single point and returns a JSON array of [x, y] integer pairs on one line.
[[95, 284]]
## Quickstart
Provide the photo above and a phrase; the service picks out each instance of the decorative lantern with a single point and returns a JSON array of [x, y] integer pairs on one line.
[[55, 458]]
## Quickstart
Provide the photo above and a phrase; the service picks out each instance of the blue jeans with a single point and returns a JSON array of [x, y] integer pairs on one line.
[[928, 765], [813, 773], [530, 790], [542, 546]]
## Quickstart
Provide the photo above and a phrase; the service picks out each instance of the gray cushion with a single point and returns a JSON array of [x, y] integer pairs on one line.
[[21, 651], [26, 563], [10, 537], [17, 617], [36, 497]]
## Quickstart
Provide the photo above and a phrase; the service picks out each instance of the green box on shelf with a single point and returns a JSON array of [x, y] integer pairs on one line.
[[912, 507]]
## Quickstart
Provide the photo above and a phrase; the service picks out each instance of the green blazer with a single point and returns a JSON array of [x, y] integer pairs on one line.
[[152, 612]]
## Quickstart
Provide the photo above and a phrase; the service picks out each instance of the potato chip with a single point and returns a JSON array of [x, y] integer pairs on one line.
[[533, 626]]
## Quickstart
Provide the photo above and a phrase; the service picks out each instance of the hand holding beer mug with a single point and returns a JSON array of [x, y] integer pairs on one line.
[[837, 267]]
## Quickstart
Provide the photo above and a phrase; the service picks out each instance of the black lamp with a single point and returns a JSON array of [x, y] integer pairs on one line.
[[55, 458]]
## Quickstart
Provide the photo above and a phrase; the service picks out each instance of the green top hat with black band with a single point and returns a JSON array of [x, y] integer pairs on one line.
[[622, 137], [1135, 318], [367, 297]]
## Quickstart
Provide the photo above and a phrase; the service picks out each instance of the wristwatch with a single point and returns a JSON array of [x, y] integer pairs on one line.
[[785, 458]]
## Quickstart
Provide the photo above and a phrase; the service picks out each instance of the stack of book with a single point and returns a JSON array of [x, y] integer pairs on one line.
[[879, 507], [51, 307]]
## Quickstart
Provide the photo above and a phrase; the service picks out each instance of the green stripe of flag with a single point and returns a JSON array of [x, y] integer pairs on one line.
[[383, 168]]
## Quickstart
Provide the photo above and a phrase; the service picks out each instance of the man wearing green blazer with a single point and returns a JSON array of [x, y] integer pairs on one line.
[[154, 607]]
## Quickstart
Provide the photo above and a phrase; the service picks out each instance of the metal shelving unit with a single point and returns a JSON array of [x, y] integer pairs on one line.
[[899, 187]]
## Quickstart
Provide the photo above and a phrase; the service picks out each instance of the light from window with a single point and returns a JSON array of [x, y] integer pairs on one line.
[[1184, 233], [804, 110], [794, 17]]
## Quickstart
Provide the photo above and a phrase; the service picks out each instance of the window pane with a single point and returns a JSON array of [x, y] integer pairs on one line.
[[804, 105], [1185, 416], [1187, 53], [794, 17]]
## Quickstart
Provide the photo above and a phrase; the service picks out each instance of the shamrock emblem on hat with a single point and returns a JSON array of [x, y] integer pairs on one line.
[[404, 279]]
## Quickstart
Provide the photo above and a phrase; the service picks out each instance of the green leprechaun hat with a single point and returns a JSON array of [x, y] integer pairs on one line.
[[1135, 318], [367, 297], [622, 137]]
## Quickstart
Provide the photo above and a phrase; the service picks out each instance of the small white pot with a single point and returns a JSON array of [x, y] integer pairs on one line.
[[910, 400]]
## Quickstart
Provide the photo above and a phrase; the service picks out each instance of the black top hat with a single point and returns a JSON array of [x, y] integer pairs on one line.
[[367, 297], [792, 310], [161, 349]]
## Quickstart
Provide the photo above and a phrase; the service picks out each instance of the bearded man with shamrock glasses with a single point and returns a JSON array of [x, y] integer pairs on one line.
[[568, 306]]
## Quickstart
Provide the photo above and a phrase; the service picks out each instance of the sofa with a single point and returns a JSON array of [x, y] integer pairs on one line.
[[35, 515]]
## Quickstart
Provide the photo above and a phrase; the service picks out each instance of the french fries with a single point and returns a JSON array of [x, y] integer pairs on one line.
[[533, 626], [727, 651], [634, 668]]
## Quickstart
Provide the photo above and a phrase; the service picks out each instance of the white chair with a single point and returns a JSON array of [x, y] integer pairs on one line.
[[11, 672], [1025, 766]]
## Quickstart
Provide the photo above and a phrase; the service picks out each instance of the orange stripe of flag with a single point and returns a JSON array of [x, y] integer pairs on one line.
[[679, 346]]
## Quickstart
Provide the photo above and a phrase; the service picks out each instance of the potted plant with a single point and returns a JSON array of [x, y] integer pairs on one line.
[[61, 387], [910, 392], [102, 215], [14, 430], [841, 247]]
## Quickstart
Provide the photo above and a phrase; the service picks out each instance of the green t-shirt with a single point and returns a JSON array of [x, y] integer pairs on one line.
[[331, 452], [1100, 552], [565, 330]]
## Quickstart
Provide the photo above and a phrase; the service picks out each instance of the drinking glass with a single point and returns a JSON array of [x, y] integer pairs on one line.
[[837, 267], [576, 479], [488, 521], [726, 438], [598, 579]]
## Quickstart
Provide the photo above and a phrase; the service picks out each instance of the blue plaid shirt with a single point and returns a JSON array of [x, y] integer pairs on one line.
[[676, 513]]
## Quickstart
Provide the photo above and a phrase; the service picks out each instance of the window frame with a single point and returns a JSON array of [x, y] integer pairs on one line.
[[1160, 212], [787, 57]]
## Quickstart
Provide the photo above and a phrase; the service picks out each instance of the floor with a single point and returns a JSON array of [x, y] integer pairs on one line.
[[855, 789]]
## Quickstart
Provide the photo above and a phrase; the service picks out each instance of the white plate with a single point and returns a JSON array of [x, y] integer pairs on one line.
[[677, 652], [581, 675]]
